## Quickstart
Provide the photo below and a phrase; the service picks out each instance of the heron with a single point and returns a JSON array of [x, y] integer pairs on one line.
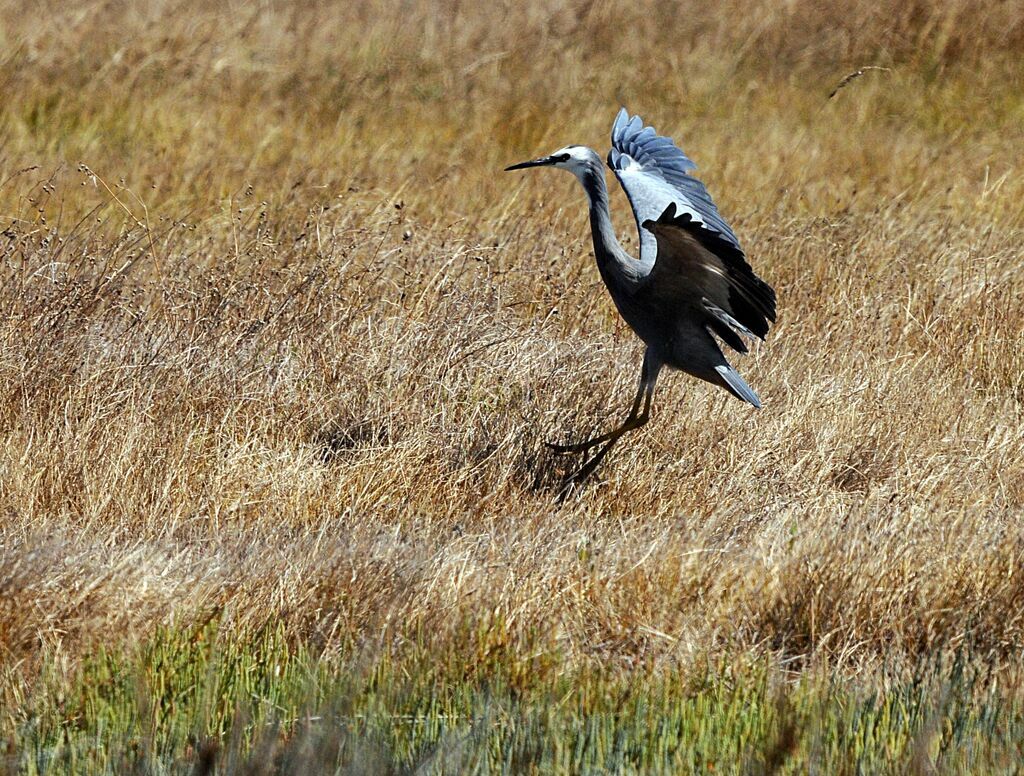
[[691, 283]]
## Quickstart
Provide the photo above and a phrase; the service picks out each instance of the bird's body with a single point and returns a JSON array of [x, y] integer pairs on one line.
[[691, 281], [657, 306]]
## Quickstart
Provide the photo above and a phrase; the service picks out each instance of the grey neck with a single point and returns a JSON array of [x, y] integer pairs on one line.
[[617, 267]]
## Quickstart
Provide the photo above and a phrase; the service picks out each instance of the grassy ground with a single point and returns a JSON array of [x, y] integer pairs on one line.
[[281, 346], [190, 701]]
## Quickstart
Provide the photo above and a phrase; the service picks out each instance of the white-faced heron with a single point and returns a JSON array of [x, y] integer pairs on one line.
[[691, 282]]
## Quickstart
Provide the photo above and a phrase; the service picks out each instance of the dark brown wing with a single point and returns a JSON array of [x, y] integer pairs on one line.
[[696, 265]]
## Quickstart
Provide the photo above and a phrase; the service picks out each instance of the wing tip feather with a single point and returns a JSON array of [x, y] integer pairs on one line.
[[755, 307], [738, 386]]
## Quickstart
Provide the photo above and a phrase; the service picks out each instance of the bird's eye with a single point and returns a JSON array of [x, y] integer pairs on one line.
[[561, 157]]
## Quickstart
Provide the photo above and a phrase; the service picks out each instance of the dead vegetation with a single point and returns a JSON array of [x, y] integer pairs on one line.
[[281, 343]]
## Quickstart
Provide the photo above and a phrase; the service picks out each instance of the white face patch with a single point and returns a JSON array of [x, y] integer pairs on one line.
[[576, 158], [576, 154]]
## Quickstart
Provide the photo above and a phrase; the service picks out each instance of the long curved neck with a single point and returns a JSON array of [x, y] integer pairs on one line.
[[615, 264]]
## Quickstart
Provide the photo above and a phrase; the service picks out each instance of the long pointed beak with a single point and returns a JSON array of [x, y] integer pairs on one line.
[[535, 163]]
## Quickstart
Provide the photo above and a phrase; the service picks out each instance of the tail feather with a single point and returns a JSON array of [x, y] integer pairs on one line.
[[737, 385]]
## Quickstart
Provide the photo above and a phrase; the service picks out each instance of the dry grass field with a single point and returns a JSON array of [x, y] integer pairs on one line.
[[280, 346]]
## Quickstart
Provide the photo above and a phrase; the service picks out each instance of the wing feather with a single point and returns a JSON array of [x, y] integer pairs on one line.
[[690, 253], [700, 270], [737, 385], [654, 173]]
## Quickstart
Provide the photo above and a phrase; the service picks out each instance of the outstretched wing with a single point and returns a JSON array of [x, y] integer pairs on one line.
[[653, 172], [705, 273]]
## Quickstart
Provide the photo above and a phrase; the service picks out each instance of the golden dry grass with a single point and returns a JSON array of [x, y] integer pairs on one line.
[[281, 342]]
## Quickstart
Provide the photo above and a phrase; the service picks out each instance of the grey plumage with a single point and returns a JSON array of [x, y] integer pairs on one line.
[[691, 281], [653, 172]]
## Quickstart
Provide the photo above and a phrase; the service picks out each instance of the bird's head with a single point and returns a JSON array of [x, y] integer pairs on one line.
[[576, 159]]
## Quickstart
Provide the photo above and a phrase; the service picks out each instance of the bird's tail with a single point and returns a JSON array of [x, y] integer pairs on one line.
[[737, 385]]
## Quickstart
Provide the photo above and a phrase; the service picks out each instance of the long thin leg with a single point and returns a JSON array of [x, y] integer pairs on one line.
[[581, 446], [648, 377]]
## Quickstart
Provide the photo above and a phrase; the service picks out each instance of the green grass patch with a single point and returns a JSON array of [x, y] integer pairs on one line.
[[191, 701]]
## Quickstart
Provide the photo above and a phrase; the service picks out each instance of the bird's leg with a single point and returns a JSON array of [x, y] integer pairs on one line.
[[592, 463], [648, 376], [631, 418]]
